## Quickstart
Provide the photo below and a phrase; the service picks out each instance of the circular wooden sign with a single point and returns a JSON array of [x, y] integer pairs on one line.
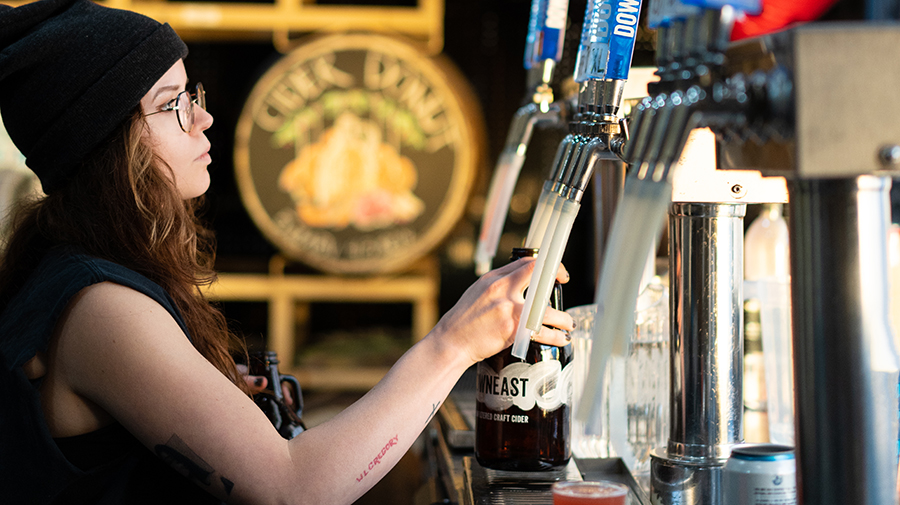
[[355, 153]]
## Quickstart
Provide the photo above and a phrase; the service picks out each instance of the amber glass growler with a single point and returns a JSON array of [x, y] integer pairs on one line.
[[523, 407], [286, 419]]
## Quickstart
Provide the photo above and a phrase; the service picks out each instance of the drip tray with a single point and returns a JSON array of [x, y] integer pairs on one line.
[[613, 469], [484, 486], [492, 487]]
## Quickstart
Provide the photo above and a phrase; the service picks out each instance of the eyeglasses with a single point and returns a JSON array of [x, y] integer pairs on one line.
[[183, 104]]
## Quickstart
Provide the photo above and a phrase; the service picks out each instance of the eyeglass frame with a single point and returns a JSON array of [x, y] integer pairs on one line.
[[198, 97]]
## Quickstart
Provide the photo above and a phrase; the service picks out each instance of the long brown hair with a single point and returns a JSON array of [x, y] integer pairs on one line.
[[122, 206]]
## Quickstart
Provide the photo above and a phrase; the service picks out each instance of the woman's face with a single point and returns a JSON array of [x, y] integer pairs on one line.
[[186, 153]]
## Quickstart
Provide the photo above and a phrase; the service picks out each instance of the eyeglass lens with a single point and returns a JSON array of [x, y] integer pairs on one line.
[[185, 112], [186, 102]]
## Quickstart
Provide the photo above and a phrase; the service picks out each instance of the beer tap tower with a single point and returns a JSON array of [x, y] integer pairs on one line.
[[706, 236], [779, 120], [820, 110], [845, 364]]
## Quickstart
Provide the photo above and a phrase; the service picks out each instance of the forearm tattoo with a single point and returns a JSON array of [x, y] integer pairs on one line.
[[375, 462], [434, 408], [186, 462]]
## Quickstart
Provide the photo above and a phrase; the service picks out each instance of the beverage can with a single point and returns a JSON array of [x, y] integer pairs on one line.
[[760, 474]]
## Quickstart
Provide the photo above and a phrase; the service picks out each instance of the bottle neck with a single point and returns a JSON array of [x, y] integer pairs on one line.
[[523, 252], [773, 211]]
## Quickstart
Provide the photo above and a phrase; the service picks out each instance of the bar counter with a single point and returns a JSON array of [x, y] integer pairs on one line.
[[457, 478]]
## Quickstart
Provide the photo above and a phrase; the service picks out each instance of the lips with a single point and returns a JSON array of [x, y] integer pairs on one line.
[[205, 156]]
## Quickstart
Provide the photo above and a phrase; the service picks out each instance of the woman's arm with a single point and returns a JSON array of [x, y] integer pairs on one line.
[[121, 350]]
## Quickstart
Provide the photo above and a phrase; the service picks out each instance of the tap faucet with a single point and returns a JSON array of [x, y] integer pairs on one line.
[[543, 50], [602, 67]]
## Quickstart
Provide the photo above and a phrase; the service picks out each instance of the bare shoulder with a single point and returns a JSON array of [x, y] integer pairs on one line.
[[112, 336], [107, 319], [122, 351], [102, 334], [108, 305]]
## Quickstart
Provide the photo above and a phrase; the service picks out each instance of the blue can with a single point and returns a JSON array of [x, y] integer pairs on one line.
[[760, 474]]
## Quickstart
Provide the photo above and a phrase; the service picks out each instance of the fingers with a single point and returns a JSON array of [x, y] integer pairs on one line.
[[556, 328], [521, 271], [562, 275], [514, 267], [559, 319], [288, 393], [258, 384], [254, 382], [513, 277], [552, 336], [493, 305]]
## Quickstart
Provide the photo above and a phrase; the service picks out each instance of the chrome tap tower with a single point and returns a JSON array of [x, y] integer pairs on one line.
[[846, 379], [778, 119], [845, 364], [705, 261], [602, 67]]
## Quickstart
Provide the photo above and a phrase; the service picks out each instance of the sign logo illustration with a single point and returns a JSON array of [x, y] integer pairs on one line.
[[355, 153]]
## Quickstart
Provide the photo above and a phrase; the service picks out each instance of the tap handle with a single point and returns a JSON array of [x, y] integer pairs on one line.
[[607, 39], [661, 13], [752, 7], [546, 31], [656, 14]]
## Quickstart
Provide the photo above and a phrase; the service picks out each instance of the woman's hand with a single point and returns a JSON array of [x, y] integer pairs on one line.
[[484, 320], [258, 384]]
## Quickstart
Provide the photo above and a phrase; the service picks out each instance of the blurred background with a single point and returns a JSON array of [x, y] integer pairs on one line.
[[485, 41]]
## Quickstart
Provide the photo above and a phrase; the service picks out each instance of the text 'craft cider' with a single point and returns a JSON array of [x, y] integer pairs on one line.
[[523, 407]]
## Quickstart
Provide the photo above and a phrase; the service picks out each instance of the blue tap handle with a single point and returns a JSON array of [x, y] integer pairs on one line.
[[621, 46], [657, 14], [748, 6], [535, 22], [546, 31], [663, 12], [607, 39]]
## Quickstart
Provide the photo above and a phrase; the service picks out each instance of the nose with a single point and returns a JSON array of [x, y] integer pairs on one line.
[[202, 119]]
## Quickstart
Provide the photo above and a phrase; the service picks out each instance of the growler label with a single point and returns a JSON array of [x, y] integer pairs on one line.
[[355, 153], [544, 384]]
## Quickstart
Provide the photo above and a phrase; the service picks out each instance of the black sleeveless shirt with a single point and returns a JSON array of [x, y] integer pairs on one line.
[[104, 467]]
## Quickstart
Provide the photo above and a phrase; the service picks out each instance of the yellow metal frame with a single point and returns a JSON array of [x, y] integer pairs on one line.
[[290, 295], [214, 20]]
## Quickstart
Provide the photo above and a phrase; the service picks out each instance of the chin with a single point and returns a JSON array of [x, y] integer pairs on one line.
[[193, 194], [195, 188]]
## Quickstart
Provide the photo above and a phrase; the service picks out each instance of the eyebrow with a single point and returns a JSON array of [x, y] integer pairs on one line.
[[171, 87]]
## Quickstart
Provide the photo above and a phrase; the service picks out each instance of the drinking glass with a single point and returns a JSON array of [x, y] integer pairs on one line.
[[589, 493], [584, 445]]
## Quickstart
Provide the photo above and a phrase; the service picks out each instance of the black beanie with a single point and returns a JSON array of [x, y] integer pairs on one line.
[[71, 71]]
